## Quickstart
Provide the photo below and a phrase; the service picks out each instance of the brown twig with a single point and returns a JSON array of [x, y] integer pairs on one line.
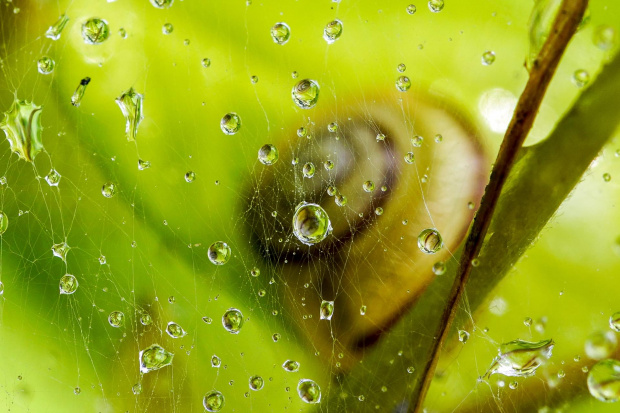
[[566, 22]]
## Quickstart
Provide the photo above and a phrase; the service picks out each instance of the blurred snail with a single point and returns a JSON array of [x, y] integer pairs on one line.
[[381, 185]]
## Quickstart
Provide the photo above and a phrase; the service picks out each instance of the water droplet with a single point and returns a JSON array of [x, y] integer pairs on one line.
[[4, 222], [328, 165], [276, 337], [378, 211], [230, 123], [116, 319], [146, 319], [581, 78], [254, 79], [130, 103], [368, 186], [614, 321], [108, 190], [331, 190], [291, 366], [60, 250], [305, 93], [219, 253], [190, 176], [411, 9], [403, 83], [410, 369], [95, 31], [294, 74], [340, 200], [332, 127], [154, 357], [327, 310], [77, 391], [401, 67], [167, 28], [22, 126], [68, 284], [332, 31], [45, 65], [206, 62], [363, 310], [256, 383], [488, 58], [162, 4], [380, 137], [142, 165], [122, 33], [136, 388], [430, 241], [527, 321], [308, 170], [600, 345], [605, 37], [475, 262], [213, 401], [606, 177], [174, 330], [232, 320], [438, 138], [216, 362], [520, 358], [280, 33], [409, 157], [1, 288], [463, 336], [309, 391], [76, 98], [52, 178], [302, 132], [311, 223], [604, 380], [268, 154], [435, 5], [439, 268], [513, 385], [54, 31]]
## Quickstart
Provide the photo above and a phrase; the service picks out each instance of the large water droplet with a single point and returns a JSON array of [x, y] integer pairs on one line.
[[604, 380], [116, 319], [213, 401], [76, 98], [54, 31], [309, 391], [175, 331], [232, 320], [291, 366], [520, 358], [332, 31], [22, 126], [230, 123], [430, 241], [305, 93], [256, 383], [327, 310], [68, 284], [311, 223], [268, 154], [219, 253], [45, 65], [130, 103], [95, 31], [154, 357], [280, 33]]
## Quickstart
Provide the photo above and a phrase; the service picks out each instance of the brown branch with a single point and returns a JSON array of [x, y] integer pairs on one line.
[[566, 22]]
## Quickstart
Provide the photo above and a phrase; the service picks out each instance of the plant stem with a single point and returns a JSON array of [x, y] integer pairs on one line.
[[566, 22]]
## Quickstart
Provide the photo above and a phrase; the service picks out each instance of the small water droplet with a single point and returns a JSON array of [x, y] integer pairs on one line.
[[378, 211], [232, 320], [61, 250], [254, 79], [116, 319], [368, 186], [363, 310], [213, 401], [230, 123], [332, 31], [216, 362], [430, 241], [77, 391], [95, 31], [167, 28], [411, 9], [435, 5], [291, 366], [146, 319], [268, 154], [308, 170], [142, 165], [488, 58], [614, 321], [207, 320], [219, 253], [154, 357], [206, 62], [190, 176], [52, 178], [331, 190], [280, 33], [581, 78], [606, 177], [439, 268], [600, 344], [463, 336], [174, 330], [276, 337], [605, 37], [108, 190], [122, 33], [409, 157], [438, 138], [403, 83], [326, 310], [68, 284], [309, 391], [340, 200], [305, 93], [328, 165], [410, 369], [76, 98], [256, 383], [45, 65], [54, 31]]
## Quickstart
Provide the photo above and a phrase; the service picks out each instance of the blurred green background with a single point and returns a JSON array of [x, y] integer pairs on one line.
[[155, 232]]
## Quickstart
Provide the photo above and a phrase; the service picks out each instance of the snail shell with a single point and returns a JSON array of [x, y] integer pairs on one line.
[[371, 259]]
